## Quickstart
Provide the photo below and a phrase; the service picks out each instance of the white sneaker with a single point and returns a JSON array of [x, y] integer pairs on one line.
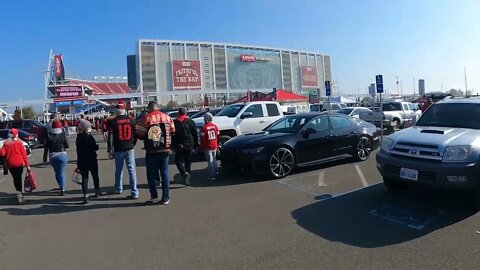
[[19, 197], [188, 179]]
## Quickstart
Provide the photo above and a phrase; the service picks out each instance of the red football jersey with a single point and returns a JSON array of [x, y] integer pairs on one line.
[[209, 136]]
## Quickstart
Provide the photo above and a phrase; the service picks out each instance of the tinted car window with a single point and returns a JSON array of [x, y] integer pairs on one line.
[[318, 124], [405, 107], [4, 134], [256, 110], [392, 107], [28, 124], [339, 122], [289, 124], [272, 110], [17, 124]]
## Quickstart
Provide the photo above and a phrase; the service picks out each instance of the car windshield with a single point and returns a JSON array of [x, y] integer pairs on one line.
[[231, 110], [346, 111], [448, 115], [288, 124]]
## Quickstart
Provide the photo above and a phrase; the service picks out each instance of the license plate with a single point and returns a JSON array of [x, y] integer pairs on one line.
[[409, 174]]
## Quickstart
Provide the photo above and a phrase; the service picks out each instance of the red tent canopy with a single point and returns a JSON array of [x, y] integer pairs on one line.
[[282, 96]]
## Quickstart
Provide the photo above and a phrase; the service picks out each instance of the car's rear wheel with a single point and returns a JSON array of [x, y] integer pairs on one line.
[[363, 148], [396, 126], [392, 184], [281, 163]]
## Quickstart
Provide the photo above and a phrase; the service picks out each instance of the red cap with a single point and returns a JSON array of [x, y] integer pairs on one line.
[[14, 132], [56, 124], [121, 104]]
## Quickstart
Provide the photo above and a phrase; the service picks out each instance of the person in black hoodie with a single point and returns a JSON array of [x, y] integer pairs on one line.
[[185, 141], [87, 162], [121, 144], [55, 147]]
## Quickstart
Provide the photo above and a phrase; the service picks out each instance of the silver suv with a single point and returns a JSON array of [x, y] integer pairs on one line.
[[441, 150]]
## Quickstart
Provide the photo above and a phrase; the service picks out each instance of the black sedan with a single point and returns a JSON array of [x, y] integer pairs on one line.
[[27, 137], [298, 141]]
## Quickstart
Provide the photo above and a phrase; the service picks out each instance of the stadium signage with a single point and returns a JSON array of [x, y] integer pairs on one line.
[[186, 74], [68, 93], [253, 58], [309, 77], [59, 69]]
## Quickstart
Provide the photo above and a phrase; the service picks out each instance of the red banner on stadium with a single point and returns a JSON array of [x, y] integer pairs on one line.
[[309, 77], [59, 69], [186, 74], [68, 93]]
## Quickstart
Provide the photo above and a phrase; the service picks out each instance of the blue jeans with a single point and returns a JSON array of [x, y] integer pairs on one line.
[[154, 164], [211, 157], [59, 163], [127, 157]]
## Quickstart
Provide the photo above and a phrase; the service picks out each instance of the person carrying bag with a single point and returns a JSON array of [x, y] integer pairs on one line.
[[15, 159]]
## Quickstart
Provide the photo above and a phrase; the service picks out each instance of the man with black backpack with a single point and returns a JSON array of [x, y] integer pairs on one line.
[[156, 129], [184, 142]]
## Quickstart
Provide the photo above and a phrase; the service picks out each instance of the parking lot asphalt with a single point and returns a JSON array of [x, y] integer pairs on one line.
[[333, 216]]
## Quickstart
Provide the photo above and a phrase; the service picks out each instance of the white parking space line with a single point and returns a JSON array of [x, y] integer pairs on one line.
[[285, 182], [321, 179], [362, 177]]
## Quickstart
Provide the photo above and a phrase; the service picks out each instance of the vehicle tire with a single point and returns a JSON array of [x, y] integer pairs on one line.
[[221, 140], [281, 163], [362, 149], [392, 185]]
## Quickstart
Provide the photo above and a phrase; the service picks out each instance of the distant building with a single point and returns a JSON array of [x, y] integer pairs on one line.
[[371, 90], [421, 87]]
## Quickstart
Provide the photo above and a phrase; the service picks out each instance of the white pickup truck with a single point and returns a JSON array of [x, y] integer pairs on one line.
[[242, 118], [396, 115]]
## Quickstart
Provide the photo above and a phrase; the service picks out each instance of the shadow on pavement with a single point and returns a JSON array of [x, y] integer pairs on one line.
[[374, 217]]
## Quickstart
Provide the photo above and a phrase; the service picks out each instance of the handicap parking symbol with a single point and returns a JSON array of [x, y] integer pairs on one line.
[[413, 215]]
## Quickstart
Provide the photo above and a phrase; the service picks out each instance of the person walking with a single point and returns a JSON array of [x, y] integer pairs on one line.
[[55, 147], [104, 128], [87, 162], [121, 144], [184, 142], [15, 158], [156, 129], [209, 144], [427, 105]]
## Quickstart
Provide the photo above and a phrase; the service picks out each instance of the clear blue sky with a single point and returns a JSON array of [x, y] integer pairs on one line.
[[432, 39]]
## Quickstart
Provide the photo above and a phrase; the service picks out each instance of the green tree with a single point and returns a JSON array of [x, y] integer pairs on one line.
[[28, 112]]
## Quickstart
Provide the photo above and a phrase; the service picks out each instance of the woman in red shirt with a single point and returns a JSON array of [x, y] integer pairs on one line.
[[15, 158]]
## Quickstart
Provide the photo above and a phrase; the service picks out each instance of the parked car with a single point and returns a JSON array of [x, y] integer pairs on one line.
[[325, 106], [200, 113], [353, 111], [441, 150], [31, 126], [300, 140], [395, 116], [244, 118], [27, 137]]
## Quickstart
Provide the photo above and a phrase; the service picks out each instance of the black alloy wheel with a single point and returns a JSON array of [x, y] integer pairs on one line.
[[281, 163]]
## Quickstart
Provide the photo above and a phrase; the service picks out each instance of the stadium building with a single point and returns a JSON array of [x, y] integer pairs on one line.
[[187, 70]]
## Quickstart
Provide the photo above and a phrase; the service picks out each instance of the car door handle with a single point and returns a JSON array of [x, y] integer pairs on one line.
[[262, 121], [353, 132], [331, 136]]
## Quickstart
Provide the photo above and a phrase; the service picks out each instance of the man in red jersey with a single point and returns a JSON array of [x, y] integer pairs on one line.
[[209, 144]]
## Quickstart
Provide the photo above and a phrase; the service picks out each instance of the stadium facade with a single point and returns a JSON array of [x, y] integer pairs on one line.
[[184, 70]]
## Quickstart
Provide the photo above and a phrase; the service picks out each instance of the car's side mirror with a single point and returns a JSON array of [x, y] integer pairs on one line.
[[246, 115], [307, 132]]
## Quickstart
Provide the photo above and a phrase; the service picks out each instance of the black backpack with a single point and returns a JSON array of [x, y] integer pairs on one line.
[[156, 137]]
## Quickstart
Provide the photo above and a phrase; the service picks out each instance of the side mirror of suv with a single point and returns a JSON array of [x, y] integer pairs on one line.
[[246, 115]]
